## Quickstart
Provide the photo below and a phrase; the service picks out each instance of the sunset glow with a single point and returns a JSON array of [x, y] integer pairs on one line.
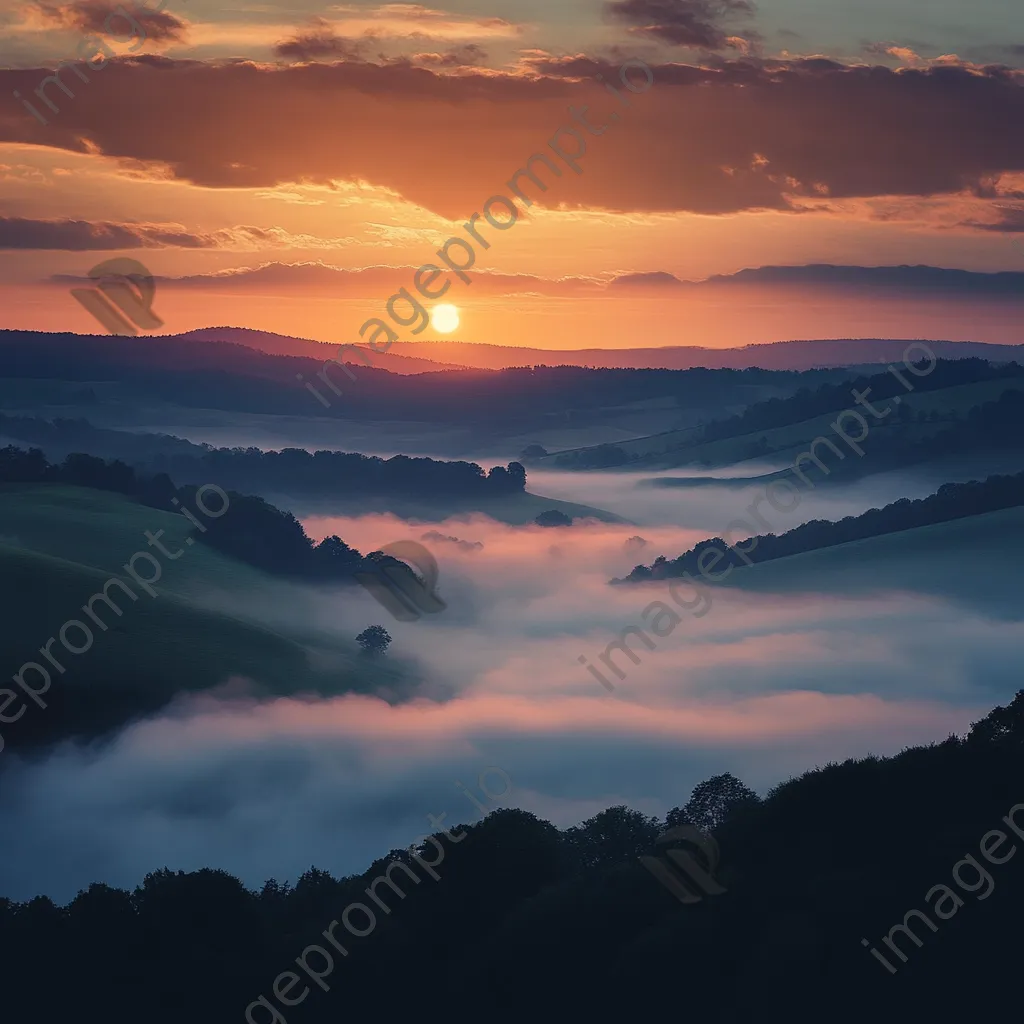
[[578, 449], [444, 318]]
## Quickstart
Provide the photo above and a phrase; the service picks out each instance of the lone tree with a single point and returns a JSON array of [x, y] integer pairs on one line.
[[374, 640], [553, 518]]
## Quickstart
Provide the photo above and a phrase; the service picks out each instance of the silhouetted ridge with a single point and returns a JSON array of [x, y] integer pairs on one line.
[[525, 921]]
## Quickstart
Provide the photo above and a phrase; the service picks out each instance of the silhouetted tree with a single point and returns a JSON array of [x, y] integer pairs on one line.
[[1002, 725], [713, 802], [616, 834], [552, 517], [374, 640]]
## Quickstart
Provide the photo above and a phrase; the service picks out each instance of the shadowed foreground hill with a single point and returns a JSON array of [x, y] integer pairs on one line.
[[525, 921]]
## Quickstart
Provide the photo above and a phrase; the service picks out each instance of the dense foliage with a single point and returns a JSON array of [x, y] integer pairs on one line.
[[529, 922], [950, 501]]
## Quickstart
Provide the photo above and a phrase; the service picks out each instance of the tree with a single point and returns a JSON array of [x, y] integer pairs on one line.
[[553, 518], [1003, 725], [713, 802], [615, 835], [516, 477], [374, 640]]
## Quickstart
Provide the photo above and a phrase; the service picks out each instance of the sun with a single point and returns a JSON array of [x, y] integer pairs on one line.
[[444, 318]]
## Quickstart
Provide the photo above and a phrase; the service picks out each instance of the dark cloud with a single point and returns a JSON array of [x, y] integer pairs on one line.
[[696, 23], [712, 138], [84, 236], [101, 17], [462, 56], [1011, 220], [318, 42]]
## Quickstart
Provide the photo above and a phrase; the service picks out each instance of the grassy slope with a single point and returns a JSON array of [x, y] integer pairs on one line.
[[977, 558], [657, 450], [59, 545]]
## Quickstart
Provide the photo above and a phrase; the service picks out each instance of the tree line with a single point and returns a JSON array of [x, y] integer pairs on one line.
[[293, 471], [530, 921]]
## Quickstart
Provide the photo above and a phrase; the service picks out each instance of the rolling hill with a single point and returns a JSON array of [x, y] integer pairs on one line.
[[59, 546]]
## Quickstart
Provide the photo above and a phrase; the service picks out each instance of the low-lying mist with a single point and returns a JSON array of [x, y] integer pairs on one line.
[[763, 681]]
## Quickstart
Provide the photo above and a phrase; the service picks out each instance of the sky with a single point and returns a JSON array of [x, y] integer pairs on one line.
[[328, 141]]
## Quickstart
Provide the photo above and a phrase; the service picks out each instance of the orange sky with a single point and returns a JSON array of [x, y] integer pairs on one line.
[[368, 137]]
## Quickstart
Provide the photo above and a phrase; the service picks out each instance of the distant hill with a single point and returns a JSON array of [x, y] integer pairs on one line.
[[780, 355], [407, 358], [222, 374], [779, 427], [282, 345]]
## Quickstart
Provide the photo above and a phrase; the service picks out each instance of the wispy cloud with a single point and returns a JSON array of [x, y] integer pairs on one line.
[[81, 235]]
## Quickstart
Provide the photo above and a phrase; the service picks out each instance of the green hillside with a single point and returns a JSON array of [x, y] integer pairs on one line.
[[977, 559], [679, 448], [212, 618]]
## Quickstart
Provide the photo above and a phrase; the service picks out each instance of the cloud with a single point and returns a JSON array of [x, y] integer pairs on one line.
[[410, 21], [730, 135], [694, 23], [1010, 220], [904, 54], [462, 56], [82, 236], [318, 42], [373, 281], [369, 282], [101, 17]]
